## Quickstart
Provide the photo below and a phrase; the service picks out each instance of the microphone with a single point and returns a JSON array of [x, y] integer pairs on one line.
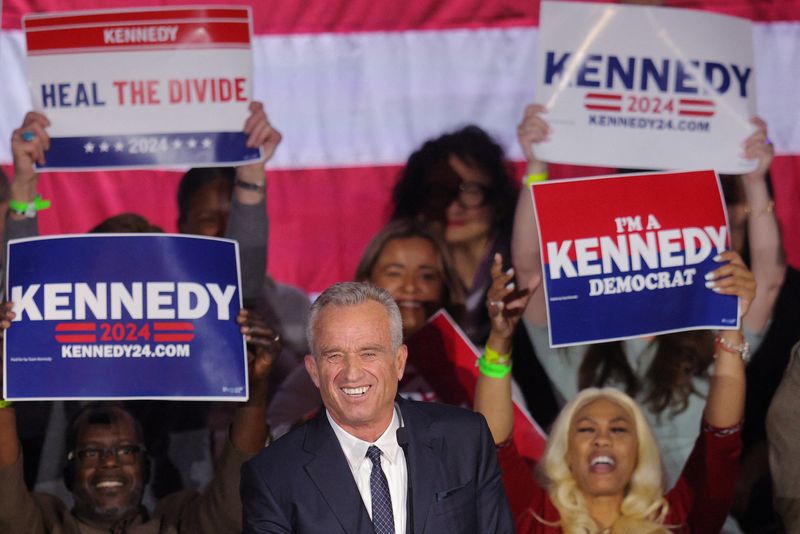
[[402, 438], [403, 441]]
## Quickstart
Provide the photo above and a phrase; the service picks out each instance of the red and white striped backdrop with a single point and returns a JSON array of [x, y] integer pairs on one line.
[[355, 86]]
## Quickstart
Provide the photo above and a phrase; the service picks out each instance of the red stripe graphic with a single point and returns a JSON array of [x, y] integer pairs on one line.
[[173, 326], [141, 17], [603, 96], [688, 113], [695, 102], [76, 338], [187, 36], [598, 107], [75, 327], [162, 338]]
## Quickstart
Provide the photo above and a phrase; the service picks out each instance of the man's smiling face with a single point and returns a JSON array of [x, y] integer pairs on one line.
[[356, 368], [107, 486]]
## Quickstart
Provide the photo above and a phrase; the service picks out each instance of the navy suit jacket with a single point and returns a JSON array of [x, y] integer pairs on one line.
[[302, 483]]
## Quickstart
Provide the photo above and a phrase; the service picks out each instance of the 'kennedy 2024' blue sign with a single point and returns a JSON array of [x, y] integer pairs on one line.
[[124, 316]]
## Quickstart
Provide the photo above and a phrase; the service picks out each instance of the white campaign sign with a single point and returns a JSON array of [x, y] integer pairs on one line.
[[645, 87], [142, 87]]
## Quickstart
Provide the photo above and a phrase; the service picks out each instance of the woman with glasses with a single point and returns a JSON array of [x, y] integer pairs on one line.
[[459, 185]]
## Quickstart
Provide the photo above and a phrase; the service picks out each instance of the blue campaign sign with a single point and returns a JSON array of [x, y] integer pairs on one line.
[[124, 316]]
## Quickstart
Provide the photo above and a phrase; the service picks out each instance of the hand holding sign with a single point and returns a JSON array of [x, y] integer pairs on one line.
[[733, 278], [260, 133], [263, 346], [29, 143], [533, 130], [759, 147]]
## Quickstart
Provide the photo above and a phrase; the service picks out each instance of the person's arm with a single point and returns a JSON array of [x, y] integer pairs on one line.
[[505, 305], [9, 440], [703, 494], [249, 429], [219, 508], [725, 404], [525, 237], [764, 239], [18, 510], [29, 143], [248, 223]]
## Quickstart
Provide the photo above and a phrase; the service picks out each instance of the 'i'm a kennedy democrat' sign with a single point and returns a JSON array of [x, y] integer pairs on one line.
[[142, 87], [124, 316], [626, 256]]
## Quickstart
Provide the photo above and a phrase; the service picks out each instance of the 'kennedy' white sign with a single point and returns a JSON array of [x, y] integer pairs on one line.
[[645, 87]]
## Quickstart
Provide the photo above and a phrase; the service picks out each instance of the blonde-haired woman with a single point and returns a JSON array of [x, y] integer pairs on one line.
[[601, 471]]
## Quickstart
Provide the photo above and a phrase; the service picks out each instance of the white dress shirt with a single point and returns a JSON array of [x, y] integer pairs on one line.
[[393, 463]]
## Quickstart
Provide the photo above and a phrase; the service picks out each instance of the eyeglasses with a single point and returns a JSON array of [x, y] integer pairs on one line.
[[125, 454], [471, 194]]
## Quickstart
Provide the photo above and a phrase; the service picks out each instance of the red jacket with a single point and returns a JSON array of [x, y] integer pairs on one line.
[[698, 503]]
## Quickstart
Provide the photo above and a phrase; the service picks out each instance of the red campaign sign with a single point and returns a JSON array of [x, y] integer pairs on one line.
[[639, 245], [446, 359]]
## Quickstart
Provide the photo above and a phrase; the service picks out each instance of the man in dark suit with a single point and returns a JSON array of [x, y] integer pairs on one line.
[[369, 462]]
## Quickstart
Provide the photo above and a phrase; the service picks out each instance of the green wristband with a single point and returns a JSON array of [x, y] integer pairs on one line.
[[534, 178], [493, 370], [29, 209], [5, 404]]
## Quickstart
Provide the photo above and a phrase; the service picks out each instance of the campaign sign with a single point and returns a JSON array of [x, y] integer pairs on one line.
[[124, 316], [139, 88], [645, 87], [447, 360], [626, 256]]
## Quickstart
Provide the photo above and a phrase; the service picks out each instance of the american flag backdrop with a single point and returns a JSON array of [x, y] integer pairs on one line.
[[355, 86]]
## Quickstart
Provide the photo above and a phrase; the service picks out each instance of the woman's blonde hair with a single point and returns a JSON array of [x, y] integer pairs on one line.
[[643, 508]]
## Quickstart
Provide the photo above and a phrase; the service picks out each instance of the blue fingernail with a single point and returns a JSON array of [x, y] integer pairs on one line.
[[28, 136]]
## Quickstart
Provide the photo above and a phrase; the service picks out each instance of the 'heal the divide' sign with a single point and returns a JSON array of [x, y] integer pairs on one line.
[[142, 87], [124, 316], [626, 256]]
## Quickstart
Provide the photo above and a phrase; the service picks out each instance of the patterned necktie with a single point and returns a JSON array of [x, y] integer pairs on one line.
[[382, 517]]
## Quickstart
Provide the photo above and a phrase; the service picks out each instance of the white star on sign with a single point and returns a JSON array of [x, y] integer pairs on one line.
[[191, 143], [104, 147], [118, 146], [89, 147], [206, 142], [177, 143]]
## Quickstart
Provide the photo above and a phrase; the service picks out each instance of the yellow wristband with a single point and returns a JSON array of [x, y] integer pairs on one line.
[[495, 358], [533, 178], [5, 404]]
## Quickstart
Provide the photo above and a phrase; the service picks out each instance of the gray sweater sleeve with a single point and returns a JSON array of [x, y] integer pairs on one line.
[[249, 226]]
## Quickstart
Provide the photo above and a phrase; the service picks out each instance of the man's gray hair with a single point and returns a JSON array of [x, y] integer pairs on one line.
[[352, 294]]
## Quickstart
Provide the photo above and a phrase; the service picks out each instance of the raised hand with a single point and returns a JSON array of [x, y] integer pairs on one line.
[[506, 304]]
